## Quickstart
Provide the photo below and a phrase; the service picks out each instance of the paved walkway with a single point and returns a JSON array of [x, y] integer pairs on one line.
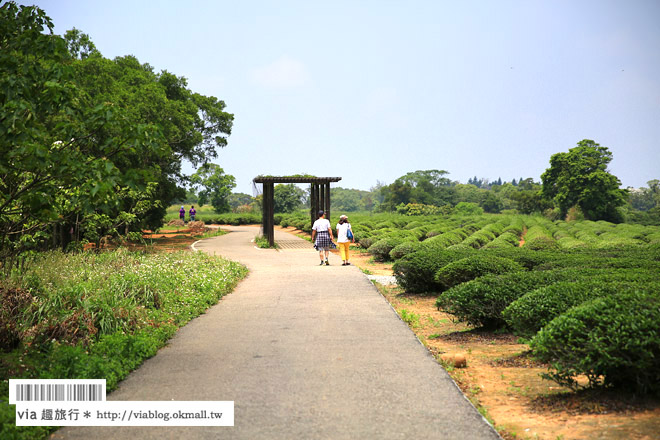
[[305, 352]]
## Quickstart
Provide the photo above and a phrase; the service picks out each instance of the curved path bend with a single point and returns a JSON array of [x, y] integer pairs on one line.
[[305, 352]]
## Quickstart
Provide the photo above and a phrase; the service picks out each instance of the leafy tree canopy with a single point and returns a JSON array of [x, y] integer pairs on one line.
[[428, 187], [287, 197], [239, 199], [56, 163], [213, 186], [580, 178]]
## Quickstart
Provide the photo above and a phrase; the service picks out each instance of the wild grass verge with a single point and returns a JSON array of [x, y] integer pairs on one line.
[[99, 315]]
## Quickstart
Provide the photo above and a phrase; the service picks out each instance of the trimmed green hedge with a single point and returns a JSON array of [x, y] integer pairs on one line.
[[531, 312], [403, 249], [480, 302], [416, 272], [613, 341], [381, 249], [474, 266]]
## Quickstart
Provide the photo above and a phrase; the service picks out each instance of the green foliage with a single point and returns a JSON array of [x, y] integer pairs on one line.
[[287, 198], [506, 240], [613, 340], [105, 131], [351, 200], [468, 208], [532, 311], [262, 242], [381, 249], [55, 163], [421, 209], [427, 187], [580, 178], [403, 249], [410, 318], [480, 302], [213, 186], [474, 266], [102, 315], [415, 272], [236, 200], [539, 238]]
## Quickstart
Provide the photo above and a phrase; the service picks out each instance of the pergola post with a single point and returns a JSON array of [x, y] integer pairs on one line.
[[268, 221], [313, 196], [327, 200]]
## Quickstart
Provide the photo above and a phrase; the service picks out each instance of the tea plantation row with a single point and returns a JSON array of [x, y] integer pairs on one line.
[[586, 294]]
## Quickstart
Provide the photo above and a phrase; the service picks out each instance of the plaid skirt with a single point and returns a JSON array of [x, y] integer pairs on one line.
[[323, 241]]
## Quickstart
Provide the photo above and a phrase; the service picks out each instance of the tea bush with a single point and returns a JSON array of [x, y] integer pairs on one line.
[[403, 249], [479, 239], [613, 341], [532, 311], [474, 266], [381, 249], [416, 272], [480, 302], [506, 240]]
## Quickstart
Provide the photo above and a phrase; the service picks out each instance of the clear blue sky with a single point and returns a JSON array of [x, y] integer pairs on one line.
[[370, 90]]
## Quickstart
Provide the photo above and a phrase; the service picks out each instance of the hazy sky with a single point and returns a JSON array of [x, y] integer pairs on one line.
[[370, 90]]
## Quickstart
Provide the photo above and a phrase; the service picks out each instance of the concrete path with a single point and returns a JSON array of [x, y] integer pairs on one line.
[[305, 352]]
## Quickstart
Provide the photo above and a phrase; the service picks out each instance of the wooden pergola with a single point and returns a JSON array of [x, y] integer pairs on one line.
[[319, 199]]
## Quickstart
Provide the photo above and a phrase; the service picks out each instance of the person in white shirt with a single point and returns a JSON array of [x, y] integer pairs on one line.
[[343, 240], [322, 237]]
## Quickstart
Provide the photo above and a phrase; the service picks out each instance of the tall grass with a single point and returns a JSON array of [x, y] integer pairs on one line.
[[99, 315]]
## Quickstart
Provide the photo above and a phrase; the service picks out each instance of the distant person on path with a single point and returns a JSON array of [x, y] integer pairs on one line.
[[182, 214], [343, 227], [323, 233], [192, 213]]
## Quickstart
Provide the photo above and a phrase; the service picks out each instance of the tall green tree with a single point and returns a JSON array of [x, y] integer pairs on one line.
[[350, 200], [56, 165], [287, 197], [239, 199], [580, 178], [192, 126], [213, 186], [428, 187]]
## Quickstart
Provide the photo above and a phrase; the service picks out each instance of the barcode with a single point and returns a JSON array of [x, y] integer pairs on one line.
[[56, 390]]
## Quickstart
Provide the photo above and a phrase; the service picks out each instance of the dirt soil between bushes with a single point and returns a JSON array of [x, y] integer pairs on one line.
[[502, 379]]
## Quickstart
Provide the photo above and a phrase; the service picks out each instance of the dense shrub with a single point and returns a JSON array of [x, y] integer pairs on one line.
[[653, 238], [234, 219], [381, 249], [445, 240], [516, 227], [468, 208], [416, 272], [531, 312], [613, 341], [365, 241], [438, 230], [506, 240], [403, 249], [539, 238], [474, 266], [479, 239], [480, 302], [541, 243]]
